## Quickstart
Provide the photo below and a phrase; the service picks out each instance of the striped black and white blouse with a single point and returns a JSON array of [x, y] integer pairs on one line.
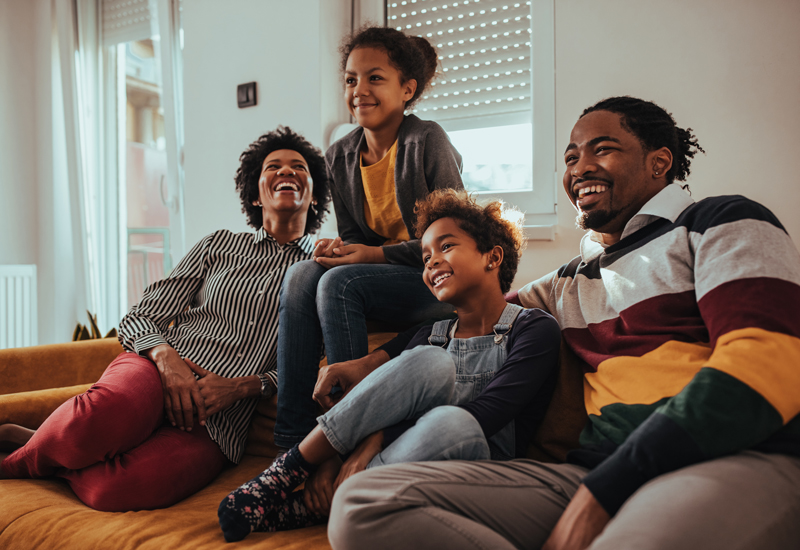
[[223, 297]]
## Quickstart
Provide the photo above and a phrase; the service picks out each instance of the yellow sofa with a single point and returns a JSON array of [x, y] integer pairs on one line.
[[46, 514]]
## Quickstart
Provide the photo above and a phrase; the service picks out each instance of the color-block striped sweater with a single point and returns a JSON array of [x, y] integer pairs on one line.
[[689, 328]]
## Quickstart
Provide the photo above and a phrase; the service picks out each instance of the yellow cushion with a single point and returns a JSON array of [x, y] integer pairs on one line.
[[55, 365], [31, 408], [47, 514]]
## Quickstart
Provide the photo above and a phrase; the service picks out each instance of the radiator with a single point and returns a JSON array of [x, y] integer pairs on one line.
[[17, 306]]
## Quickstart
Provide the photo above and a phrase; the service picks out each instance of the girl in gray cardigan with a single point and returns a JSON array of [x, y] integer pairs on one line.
[[373, 269]]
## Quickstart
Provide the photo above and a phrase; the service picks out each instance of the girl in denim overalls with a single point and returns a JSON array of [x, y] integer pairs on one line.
[[471, 388]]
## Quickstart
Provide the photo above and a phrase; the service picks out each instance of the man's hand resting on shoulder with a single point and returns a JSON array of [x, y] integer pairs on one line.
[[345, 375]]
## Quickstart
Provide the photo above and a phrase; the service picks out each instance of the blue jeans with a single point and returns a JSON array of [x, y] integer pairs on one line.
[[418, 384], [333, 305]]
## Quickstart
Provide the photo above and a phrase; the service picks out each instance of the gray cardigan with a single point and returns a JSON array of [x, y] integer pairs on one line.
[[426, 160]]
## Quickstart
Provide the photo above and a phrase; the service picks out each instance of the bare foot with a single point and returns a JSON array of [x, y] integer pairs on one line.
[[14, 436]]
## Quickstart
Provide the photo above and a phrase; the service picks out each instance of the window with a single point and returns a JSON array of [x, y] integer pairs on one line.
[[495, 95], [142, 52]]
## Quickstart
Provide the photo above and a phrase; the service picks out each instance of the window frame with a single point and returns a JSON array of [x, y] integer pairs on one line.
[[167, 26]]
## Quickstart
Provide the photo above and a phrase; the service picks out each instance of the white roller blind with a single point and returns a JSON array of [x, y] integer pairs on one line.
[[125, 21], [485, 50]]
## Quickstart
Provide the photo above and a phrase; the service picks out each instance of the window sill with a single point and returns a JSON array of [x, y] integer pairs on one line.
[[540, 232]]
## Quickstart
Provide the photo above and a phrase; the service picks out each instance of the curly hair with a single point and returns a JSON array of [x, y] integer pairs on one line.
[[494, 224], [413, 56], [655, 128], [249, 172]]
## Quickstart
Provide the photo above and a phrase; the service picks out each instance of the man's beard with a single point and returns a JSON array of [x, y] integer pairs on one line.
[[596, 219]]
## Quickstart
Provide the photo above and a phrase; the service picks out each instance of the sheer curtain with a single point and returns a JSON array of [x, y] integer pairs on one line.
[[77, 23], [87, 34]]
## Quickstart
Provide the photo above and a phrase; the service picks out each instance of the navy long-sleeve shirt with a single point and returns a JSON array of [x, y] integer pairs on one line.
[[521, 388]]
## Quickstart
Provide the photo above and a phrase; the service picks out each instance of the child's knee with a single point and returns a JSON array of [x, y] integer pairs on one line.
[[429, 363], [430, 358], [337, 284], [302, 279], [456, 432], [452, 419]]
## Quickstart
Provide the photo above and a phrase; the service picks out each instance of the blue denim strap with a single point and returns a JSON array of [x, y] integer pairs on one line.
[[439, 332], [506, 321]]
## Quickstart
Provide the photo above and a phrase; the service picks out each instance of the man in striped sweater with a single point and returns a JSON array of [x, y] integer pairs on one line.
[[684, 315]]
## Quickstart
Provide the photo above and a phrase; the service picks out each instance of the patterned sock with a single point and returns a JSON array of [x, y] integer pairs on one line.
[[241, 512], [290, 514]]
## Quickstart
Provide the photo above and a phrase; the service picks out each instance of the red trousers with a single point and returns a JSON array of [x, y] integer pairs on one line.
[[111, 444]]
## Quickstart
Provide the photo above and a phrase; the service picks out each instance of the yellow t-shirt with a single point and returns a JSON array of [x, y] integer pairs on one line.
[[380, 203]]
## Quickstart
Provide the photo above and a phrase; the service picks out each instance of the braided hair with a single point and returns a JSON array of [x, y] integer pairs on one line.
[[413, 56], [654, 128]]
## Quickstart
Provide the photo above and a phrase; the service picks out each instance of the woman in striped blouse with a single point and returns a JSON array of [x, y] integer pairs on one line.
[[171, 411]]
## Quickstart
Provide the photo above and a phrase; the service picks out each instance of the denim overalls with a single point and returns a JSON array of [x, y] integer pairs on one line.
[[477, 359]]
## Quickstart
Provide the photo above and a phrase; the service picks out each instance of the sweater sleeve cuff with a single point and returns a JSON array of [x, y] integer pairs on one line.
[[613, 482], [658, 446]]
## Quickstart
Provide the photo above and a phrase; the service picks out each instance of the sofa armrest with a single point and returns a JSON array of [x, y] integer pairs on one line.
[[55, 365], [30, 408]]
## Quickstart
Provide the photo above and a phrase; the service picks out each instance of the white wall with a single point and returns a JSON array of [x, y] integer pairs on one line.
[[18, 144], [726, 68], [283, 46], [33, 200]]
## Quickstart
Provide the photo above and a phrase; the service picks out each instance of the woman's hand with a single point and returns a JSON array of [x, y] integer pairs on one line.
[[324, 247], [358, 460], [219, 392], [353, 254], [181, 391], [318, 493]]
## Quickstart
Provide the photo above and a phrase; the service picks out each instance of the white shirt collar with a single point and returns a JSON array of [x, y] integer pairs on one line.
[[304, 243], [667, 203]]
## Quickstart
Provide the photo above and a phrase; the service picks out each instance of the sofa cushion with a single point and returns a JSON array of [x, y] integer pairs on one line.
[[31, 408], [47, 514], [55, 365]]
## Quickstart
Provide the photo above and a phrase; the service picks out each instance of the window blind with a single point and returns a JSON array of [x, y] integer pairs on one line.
[[129, 20], [485, 53], [125, 21]]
